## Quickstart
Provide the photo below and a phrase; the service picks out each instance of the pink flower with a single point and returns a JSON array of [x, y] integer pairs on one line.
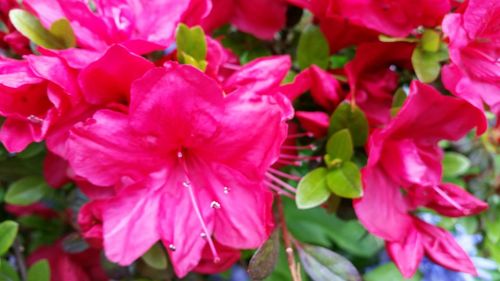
[[261, 18], [199, 150], [474, 44], [396, 18], [326, 92], [405, 154], [9, 37], [34, 92], [371, 79], [140, 25], [84, 266], [340, 31]]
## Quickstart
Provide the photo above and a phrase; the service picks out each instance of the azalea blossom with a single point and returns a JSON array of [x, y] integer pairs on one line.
[[203, 159], [261, 18], [405, 155], [141, 26], [474, 52]]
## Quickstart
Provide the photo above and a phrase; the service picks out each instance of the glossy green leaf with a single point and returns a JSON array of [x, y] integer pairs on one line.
[[8, 232], [388, 271], [353, 119], [60, 35], [345, 181], [26, 191], [8, 272], [455, 164], [340, 146], [431, 40], [39, 271], [313, 48], [312, 190], [264, 260], [322, 264], [156, 257], [191, 46], [62, 30], [426, 65]]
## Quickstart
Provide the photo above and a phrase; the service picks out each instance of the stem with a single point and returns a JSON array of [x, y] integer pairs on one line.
[[20, 259], [292, 264]]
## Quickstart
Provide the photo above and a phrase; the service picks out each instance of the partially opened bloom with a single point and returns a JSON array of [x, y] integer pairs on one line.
[[405, 154], [261, 18], [142, 26], [474, 43], [187, 163]]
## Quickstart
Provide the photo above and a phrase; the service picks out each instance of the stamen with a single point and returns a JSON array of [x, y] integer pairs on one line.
[[298, 147], [299, 157], [290, 163], [215, 205], [284, 175], [196, 207], [281, 183], [300, 135], [278, 190], [448, 198], [226, 190]]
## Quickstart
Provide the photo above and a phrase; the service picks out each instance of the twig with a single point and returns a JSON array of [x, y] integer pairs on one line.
[[292, 264], [20, 259]]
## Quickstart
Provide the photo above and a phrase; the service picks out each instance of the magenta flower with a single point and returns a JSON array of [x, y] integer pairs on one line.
[[474, 50], [405, 155], [372, 80], [203, 157], [140, 25], [261, 18]]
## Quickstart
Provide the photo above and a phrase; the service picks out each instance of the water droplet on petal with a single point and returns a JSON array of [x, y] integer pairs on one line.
[[172, 247], [226, 190], [203, 235], [215, 205]]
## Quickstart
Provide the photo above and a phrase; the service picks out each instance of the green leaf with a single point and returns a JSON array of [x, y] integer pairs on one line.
[[313, 48], [339, 146], [8, 232], [156, 257], [347, 117], [62, 29], [455, 164], [8, 272], [322, 264], [26, 191], [388, 271], [191, 46], [60, 35], [345, 181], [265, 258], [431, 40], [312, 190], [39, 271], [426, 65]]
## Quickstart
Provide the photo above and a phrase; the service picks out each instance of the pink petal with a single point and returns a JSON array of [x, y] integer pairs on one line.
[[93, 147], [55, 170], [441, 247], [262, 18], [408, 253], [447, 199], [315, 122], [227, 255], [261, 75], [382, 209], [17, 135], [108, 79]]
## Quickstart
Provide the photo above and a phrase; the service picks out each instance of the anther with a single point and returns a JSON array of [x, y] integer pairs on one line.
[[172, 247], [215, 205]]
